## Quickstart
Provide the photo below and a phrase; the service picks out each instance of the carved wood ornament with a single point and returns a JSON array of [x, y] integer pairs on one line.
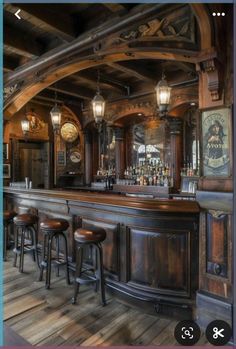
[[210, 68]]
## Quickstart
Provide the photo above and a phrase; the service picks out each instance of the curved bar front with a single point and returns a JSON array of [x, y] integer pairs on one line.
[[151, 249]]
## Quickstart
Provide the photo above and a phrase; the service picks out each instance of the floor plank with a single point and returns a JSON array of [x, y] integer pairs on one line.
[[47, 317]]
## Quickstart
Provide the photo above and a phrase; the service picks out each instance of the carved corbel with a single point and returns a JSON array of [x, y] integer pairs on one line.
[[216, 214], [213, 77]]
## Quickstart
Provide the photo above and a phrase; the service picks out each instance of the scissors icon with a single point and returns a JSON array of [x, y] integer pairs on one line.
[[217, 333]]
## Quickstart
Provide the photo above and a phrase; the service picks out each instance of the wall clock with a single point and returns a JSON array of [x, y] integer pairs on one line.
[[69, 132], [75, 156]]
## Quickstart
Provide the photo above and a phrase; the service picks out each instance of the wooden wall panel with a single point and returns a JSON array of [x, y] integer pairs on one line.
[[215, 254], [166, 266], [217, 242]]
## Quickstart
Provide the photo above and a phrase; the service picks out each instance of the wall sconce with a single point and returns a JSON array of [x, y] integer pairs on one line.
[[56, 116], [163, 92], [25, 126]]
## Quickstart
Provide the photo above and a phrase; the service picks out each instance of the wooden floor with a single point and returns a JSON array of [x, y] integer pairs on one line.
[[47, 317]]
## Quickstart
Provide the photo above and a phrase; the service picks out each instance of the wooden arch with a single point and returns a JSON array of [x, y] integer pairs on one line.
[[33, 83]]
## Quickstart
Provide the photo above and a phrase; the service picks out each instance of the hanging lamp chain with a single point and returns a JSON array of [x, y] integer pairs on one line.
[[163, 75], [98, 82], [55, 95]]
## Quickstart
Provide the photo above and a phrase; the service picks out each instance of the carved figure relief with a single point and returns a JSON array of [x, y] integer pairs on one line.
[[8, 91], [165, 28]]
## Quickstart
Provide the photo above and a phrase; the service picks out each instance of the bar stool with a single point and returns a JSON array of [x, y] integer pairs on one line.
[[26, 234], [7, 220], [53, 228], [84, 237]]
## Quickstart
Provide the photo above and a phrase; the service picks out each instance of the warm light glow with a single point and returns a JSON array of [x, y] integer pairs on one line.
[[98, 104], [163, 95], [56, 117], [25, 125]]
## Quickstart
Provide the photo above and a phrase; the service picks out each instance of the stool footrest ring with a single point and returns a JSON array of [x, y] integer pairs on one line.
[[83, 281]]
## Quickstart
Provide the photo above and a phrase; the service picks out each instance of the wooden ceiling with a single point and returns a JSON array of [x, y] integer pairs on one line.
[[43, 28]]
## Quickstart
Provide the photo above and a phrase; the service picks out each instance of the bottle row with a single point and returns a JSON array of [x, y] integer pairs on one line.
[[147, 168], [189, 171]]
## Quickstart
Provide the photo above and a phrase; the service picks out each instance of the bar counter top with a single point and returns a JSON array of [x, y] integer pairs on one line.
[[111, 199]]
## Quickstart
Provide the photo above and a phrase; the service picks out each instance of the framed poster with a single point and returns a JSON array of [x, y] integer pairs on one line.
[[216, 142]]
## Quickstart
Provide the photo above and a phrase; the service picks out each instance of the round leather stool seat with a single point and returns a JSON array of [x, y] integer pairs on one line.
[[54, 225], [8, 215], [25, 219], [94, 235]]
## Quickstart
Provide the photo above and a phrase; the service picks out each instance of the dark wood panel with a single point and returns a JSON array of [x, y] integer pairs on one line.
[[166, 266], [217, 245]]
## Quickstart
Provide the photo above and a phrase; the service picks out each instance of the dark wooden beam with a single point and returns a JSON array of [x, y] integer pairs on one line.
[[72, 90], [186, 67], [106, 82], [131, 71], [9, 63], [87, 38], [21, 43], [59, 24], [115, 7], [39, 102], [48, 99]]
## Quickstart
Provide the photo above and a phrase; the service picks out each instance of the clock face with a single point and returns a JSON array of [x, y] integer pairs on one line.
[[75, 156], [69, 132]]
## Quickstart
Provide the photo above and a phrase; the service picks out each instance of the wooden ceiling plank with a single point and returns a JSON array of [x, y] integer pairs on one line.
[[45, 97], [113, 7], [130, 71], [105, 81], [9, 63], [72, 90], [58, 24], [186, 67], [20, 43]]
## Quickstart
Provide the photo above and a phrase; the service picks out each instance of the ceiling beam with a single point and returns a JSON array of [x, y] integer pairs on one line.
[[115, 7], [9, 63], [58, 24], [47, 97], [131, 71], [72, 90], [184, 66], [21, 43], [105, 81]]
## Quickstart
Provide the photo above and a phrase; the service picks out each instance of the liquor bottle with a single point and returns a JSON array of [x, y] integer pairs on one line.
[[138, 180], [166, 182], [154, 180]]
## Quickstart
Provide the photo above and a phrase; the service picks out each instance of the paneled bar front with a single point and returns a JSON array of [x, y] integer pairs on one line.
[[150, 251]]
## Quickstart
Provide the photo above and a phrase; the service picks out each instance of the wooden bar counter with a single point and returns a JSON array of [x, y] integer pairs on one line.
[[151, 249]]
